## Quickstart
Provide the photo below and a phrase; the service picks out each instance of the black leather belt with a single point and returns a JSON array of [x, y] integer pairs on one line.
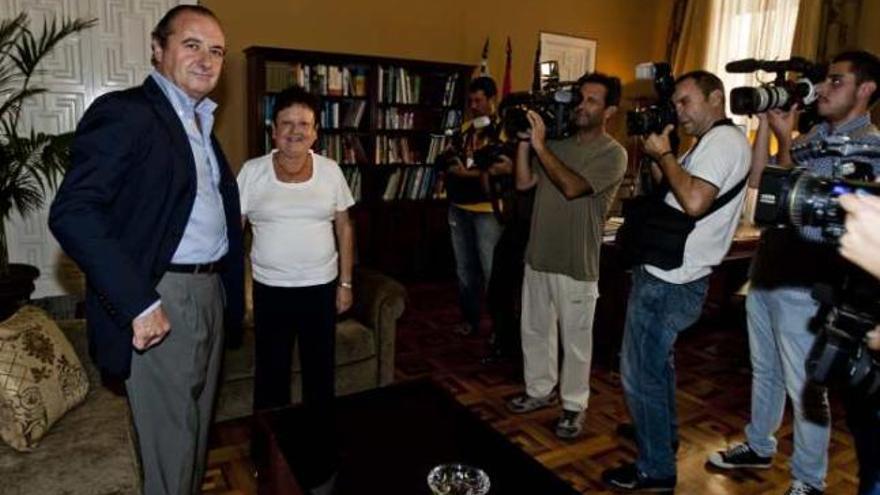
[[213, 267]]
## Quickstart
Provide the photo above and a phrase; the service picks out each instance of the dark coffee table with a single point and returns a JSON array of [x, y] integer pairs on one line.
[[388, 439]]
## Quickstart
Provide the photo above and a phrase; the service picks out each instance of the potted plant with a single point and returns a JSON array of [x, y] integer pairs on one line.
[[30, 162]]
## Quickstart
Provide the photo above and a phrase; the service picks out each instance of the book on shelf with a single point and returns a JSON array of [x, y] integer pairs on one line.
[[395, 149], [394, 118], [353, 178], [437, 144], [452, 119], [399, 85], [342, 114], [413, 183], [346, 149], [449, 89]]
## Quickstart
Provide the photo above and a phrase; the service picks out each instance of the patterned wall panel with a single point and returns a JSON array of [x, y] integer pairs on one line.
[[115, 54]]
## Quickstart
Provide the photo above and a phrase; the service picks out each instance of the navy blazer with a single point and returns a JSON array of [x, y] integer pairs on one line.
[[121, 210]]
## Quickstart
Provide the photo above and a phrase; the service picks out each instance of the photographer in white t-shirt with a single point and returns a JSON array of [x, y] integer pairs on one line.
[[663, 302]]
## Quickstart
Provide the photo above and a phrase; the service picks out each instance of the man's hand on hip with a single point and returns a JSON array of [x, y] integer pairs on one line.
[[150, 329]]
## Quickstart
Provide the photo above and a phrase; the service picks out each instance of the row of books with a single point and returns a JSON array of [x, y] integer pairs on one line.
[[392, 149], [449, 89], [452, 119], [353, 177], [319, 79], [410, 183], [394, 118], [342, 114], [438, 143], [344, 148], [398, 85]]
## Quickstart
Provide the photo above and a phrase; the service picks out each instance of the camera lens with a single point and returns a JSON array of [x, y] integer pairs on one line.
[[748, 101], [813, 201]]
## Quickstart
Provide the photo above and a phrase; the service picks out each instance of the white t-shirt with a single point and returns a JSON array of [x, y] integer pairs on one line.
[[722, 158], [292, 223]]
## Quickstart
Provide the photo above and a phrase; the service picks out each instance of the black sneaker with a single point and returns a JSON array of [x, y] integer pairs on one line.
[[739, 456], [628, 478], [570, 424], [801, 488]]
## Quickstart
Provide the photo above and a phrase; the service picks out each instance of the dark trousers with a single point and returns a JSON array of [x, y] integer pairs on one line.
[[307, 314], [504, 295], [863, 419]]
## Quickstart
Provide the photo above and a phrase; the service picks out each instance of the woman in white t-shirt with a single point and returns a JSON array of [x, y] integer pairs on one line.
[[297, 204]]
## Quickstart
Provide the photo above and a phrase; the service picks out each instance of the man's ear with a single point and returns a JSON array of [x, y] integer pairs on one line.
[[716, 98], [157, 52], [609, 111], [866, 89]]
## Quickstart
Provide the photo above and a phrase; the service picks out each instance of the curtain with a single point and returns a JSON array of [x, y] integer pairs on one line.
[[689, 35], [807, 30], [761, 29]]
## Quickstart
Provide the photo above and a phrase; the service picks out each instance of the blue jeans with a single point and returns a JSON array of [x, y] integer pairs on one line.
[[779, 341], [474, 236], [656, 312]]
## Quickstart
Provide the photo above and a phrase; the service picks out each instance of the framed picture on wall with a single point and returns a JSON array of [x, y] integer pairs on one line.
[[573, 55]]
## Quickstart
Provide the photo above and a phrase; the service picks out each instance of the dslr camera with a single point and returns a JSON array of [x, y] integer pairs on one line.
[[797, 198], [555, 103], [484, 156], [781, 93], [652, 119]]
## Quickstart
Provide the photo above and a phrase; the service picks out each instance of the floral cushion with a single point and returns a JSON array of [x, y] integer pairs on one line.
[[41, 377]]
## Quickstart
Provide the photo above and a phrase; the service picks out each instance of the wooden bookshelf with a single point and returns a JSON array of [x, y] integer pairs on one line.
[[383, 119]]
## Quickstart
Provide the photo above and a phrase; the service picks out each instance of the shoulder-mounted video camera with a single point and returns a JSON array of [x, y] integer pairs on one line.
[[783, 92], [795, 197], [555, 103]]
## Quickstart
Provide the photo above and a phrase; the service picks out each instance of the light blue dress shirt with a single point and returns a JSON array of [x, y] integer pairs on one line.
[[204, 239]]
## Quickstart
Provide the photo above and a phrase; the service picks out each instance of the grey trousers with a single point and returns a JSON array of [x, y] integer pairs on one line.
[[172, 385]]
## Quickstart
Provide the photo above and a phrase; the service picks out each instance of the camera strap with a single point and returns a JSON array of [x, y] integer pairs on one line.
[[720, 201]]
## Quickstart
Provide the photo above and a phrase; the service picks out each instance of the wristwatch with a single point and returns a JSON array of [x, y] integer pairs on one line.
[[345, 285]]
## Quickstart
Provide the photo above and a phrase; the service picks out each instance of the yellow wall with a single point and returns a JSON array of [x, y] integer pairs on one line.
[[628, 32]]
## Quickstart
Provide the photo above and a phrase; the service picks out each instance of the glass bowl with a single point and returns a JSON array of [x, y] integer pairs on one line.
[[458, 479]]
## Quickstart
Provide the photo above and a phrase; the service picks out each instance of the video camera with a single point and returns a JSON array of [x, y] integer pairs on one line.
[[652, 119], [556, 103], [797, 198], [782, 93]]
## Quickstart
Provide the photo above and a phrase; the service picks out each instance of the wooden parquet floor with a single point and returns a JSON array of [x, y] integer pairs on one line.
[[713, 407]]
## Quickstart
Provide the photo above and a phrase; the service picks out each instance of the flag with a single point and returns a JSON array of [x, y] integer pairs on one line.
[[505, 85], [536, 70], [484, 63]]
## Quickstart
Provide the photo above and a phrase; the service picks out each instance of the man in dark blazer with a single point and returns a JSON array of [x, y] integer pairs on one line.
[[149, 210]]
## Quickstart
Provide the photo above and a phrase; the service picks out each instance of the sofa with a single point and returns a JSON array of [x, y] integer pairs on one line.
[[364, 347], [92, 449]]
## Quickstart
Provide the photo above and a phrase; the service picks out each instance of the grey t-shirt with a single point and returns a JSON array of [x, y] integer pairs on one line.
[[566, 235]]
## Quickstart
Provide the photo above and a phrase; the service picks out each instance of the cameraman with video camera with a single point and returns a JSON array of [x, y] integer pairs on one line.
[[704, 189], [575, 180], [780, 306], [473, 226]]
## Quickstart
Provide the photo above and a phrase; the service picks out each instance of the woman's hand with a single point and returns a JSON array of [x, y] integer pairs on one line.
[[344, 299]]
